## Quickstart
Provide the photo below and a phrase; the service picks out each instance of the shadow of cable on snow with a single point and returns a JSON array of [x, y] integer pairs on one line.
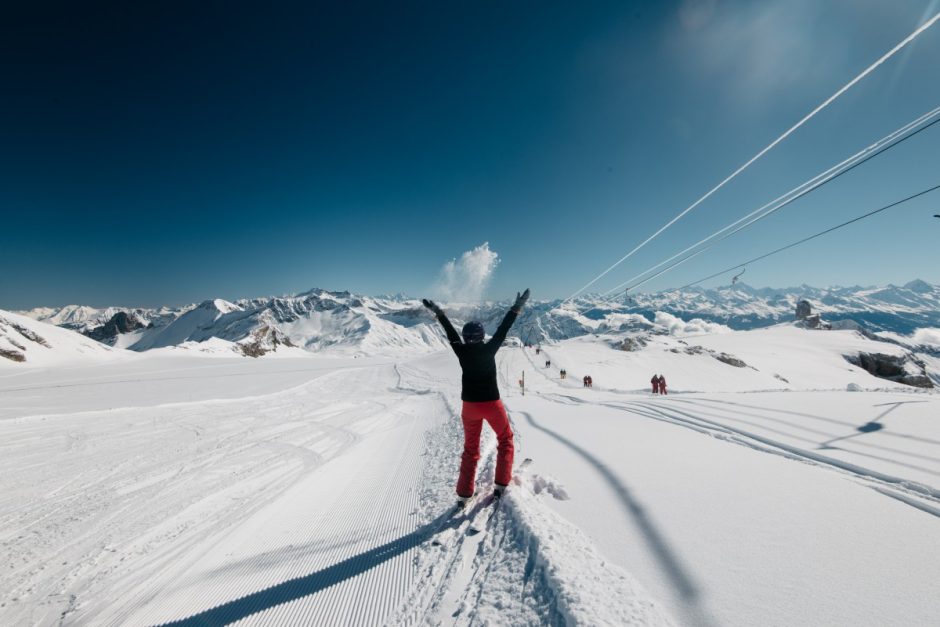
[[300, 587], [667, 559], [875, 424]]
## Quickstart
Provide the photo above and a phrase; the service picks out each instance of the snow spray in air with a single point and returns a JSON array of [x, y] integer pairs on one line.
[[464, 280]]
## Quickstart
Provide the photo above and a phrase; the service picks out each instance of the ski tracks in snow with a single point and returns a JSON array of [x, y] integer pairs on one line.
[[142, 516], [916, 494], [881, 482]]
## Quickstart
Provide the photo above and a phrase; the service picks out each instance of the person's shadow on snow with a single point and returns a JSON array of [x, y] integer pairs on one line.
[[299, 587]]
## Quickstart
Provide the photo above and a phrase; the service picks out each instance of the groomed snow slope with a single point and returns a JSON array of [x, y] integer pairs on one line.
[[325, 503]]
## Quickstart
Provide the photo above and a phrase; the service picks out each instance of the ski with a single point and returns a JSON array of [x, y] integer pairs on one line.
[[480, 522], [457, 515], [483, 515]]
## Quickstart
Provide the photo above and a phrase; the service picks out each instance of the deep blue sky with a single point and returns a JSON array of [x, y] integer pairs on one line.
[[164, 153]]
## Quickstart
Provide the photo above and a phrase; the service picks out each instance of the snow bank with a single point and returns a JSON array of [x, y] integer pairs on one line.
[[566, 568]]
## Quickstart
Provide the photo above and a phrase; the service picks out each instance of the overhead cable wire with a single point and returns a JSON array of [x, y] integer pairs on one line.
[[747, 224], [811, 237], [886, 143], [770, 146]]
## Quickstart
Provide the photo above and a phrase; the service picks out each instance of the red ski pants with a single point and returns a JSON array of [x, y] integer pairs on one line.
[[473, 416]]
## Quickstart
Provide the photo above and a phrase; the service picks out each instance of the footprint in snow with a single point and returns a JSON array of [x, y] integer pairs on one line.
[[540, 483]]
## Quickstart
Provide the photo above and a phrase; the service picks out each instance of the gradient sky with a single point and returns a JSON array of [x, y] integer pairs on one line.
[[165, 153]]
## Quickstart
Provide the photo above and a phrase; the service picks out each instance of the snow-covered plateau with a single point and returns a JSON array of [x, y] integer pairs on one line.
[[791, 475]]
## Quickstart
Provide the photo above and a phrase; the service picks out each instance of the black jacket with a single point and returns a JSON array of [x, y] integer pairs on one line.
[[478, 360]]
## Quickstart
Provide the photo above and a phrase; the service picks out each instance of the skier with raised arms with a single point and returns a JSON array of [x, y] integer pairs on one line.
[[480, 396]]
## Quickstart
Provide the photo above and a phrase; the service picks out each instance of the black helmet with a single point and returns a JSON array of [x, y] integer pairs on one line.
[[473, 332]]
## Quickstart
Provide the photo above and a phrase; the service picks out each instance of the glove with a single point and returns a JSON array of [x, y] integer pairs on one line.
[[430, 304], [520, 301]]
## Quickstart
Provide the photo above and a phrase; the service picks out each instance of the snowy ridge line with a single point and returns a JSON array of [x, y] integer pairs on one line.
[[899, 309], [709, 427]]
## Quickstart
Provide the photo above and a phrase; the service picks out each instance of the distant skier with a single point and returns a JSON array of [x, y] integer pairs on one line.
[[662, 384], [655, 382], [480, 396]]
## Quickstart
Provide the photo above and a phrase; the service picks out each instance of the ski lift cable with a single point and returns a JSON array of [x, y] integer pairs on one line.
[[744, 226], [811, 237], [855, 160], [888, 138], [696, 254], [767, 149], [882, 145]]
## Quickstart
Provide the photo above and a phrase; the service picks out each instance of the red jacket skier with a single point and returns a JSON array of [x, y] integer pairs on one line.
[[655, 382], [662, 384], [480, 396]]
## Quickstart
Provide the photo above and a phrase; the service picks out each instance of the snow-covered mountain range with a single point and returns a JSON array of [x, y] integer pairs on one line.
[[340, 321], [899, 309]]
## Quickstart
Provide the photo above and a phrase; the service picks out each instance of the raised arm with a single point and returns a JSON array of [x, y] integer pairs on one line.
[[497, 340], [452, 336]]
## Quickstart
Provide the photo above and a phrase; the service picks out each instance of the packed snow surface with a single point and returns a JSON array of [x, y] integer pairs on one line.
[[171, 488]]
